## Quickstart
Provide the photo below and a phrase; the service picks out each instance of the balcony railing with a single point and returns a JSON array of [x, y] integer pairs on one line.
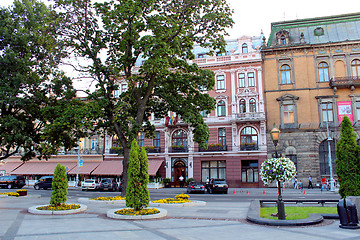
[[153, 150], [250, 116], [345, 82], [178, 149], [249, 147], [86, 151], [213, 149]]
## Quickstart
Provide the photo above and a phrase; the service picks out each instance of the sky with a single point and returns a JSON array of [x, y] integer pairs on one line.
[[253, 17]]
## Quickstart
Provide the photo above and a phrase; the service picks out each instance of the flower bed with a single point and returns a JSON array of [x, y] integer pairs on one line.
[[22, 192], [62, 207], [10, 194], [115, 198], [180, 198], [130, 211], [114, 214]]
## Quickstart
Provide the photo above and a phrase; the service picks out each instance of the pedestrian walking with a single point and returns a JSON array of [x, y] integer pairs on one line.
[[324, 184], [310, 183], [296, 183], [181, 179]]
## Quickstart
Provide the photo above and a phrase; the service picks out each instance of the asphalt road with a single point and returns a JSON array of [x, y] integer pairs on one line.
[[234, 195]]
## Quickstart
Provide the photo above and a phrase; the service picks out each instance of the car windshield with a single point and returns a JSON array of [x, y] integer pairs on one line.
[[90, 181], [220, 182]]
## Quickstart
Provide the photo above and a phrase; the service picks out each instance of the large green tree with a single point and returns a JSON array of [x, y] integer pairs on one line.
[[38, 113], [348, 161], [147, 45]]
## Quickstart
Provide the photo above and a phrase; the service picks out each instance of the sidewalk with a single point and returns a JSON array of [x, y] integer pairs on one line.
[[216, 220]]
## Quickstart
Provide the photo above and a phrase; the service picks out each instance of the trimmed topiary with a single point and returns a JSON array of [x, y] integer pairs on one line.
[[59, 186], [348, 161]]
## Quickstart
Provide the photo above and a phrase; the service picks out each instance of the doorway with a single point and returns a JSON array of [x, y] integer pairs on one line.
[[179, 169]]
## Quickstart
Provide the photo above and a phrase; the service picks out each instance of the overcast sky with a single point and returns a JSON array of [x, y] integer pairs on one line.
[[253, 16]]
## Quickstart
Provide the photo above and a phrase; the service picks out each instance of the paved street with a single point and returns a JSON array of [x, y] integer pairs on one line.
[[223, 217]]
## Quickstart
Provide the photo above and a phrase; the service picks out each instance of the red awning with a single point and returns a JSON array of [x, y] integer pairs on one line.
[[41, 168], [86, 169], [10, 166], [154, 166], [111, 168]]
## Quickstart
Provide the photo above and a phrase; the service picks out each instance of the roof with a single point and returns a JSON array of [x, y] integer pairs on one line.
[[321, 30]]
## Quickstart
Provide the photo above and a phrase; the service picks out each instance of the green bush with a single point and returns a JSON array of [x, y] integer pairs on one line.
[[59, 186], [348, 161]]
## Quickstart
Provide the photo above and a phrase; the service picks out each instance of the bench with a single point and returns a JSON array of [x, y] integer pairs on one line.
[[322, 202]]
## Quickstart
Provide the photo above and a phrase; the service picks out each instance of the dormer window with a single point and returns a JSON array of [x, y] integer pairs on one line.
[[282, 37], [244, 48]]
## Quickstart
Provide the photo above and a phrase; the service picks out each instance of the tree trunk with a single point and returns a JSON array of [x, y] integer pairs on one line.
[[125, 176]]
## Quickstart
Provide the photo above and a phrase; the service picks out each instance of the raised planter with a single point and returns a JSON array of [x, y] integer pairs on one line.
[[34, 210], [88, 200], [22, 193], [187, 204], [111, 214]]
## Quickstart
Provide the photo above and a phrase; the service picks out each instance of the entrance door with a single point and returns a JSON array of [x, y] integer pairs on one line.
[[179, 170]]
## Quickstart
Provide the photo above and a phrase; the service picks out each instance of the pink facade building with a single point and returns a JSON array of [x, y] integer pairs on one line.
[[237, 143]]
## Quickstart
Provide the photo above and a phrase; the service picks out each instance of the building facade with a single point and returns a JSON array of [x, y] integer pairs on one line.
[[237, 142], [311, 78]]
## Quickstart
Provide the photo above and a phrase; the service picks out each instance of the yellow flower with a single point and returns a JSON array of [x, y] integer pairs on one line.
[[130, 211], [109, 198]]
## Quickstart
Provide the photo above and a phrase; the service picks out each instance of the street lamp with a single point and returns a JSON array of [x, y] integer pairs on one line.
[[275, 135], [329, 159]]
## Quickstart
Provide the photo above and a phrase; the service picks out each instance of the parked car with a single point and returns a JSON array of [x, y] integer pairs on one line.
[[217, 185], [44, 182], [195, 187], [108, 184], [12, 181], [90, 184]]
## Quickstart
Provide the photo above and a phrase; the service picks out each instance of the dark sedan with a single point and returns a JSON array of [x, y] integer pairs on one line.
[[196, 187]]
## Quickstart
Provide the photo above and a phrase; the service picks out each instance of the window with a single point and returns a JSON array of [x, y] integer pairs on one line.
[[252, 104], [141, 139], [288, 113], [221, 109], [283, 40], [220, 82], [213, 169], [324, 157], [323, 72], [201, 55], [248, 136], [285, 74], [244, 48], [242, 106], [156, 141], [204, 113], [251, 79], [94, 144], [355, 68], [222, 136], [249, 171], [327, 112], [241, 80], [179, 138]]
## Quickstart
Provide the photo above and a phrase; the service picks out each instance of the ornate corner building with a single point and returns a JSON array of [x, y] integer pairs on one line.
[[237, 143], [311, 80]]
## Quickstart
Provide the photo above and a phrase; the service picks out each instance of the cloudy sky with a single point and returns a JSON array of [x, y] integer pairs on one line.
[[253, 16]]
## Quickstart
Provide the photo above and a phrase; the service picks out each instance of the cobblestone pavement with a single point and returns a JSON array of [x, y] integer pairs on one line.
[[216, 220]]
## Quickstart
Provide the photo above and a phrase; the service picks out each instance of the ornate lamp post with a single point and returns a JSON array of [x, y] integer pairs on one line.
[[275, 135]]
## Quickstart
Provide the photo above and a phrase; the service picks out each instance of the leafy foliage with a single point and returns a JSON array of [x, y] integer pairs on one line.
[[348, 161], [147, 46], [137, 194], [38, 114], [59, 186]]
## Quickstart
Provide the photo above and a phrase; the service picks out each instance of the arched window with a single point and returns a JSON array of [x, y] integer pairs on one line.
[[252, 103], [244, 48], [179, 138], [242, 106], [249, 139], [323, 70], [324, 157], [285, 74], [221, 109], [355, 68]]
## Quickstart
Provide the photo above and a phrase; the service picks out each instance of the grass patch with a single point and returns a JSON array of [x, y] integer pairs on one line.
[[295, 213]]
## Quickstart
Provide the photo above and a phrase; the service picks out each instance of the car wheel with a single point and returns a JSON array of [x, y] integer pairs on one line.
[[36, 187], [9, 186], [226, 192], [45, 188]]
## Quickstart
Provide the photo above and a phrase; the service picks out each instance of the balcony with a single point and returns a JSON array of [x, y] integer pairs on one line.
[[178, 149], [249, 147], [213, 148], [250, 117], [345, 82], [84, 151], [153, 149]]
